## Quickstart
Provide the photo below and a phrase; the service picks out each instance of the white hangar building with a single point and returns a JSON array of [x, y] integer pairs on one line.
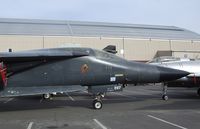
[[133, 42]]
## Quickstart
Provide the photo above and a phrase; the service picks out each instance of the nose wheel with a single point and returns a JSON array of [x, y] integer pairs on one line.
[[165, 97], [97, 103]]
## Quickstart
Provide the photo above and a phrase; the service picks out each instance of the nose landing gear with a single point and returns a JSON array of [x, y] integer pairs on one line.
[[97, 103]]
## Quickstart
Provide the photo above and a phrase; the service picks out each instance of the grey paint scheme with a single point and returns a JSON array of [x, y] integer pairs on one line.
[[54, 70], [193, 67], [91, 29]]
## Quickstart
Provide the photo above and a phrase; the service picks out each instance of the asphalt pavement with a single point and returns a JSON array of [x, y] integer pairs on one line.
[[137, 107]]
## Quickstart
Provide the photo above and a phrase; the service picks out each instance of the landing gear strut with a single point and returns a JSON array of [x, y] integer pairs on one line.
[[97, 103], [164, 96], [198, 92]]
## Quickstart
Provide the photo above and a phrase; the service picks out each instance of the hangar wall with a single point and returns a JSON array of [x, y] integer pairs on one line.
[[129, 48]]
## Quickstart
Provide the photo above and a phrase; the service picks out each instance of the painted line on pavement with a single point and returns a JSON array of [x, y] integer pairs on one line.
[[85, 91], [41, 100], [130, 97], [70, 97], [8, 100], [100, 124], [167, 122], [30, 125], [138, 92]]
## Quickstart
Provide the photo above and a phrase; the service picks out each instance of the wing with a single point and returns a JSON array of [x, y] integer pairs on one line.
[[12, 63], [38, 55], [15, 62]]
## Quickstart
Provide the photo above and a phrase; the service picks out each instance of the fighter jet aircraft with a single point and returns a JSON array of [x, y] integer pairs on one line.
[[46, 71], [191, 66]]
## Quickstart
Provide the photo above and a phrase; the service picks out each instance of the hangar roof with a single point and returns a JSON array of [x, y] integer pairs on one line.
[[77, 28]]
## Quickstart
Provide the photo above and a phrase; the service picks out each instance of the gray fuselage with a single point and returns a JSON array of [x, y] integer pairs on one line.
[[97, 68]]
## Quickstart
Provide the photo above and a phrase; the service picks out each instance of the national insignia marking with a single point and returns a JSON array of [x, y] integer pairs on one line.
[[84, 68]]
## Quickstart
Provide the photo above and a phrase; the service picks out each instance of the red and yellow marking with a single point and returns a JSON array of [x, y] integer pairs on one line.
[[3, 73], [84, 68]]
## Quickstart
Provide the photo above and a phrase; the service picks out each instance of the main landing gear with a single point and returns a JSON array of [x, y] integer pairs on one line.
[[47, 96], [164, 96], [97, 103]]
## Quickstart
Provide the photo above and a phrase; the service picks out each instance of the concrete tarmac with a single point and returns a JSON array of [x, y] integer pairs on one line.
[[137, 107]]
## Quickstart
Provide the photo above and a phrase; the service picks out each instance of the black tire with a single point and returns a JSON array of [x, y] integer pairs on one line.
[[47, 96], [198, 92], [165, 97], [97, 104]]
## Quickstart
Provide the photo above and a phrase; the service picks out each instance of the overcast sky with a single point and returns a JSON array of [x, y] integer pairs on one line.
[[181, 13]]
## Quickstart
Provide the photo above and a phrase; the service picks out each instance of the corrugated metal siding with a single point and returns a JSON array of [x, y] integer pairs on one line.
[[90, 29]]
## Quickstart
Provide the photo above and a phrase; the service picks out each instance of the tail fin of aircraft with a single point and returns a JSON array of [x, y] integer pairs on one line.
[[110, 49]]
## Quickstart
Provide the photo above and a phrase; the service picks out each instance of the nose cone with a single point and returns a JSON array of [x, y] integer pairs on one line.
[[169, 74]]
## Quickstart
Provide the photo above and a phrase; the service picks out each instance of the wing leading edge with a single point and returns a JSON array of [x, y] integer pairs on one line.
[[38, 55]]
